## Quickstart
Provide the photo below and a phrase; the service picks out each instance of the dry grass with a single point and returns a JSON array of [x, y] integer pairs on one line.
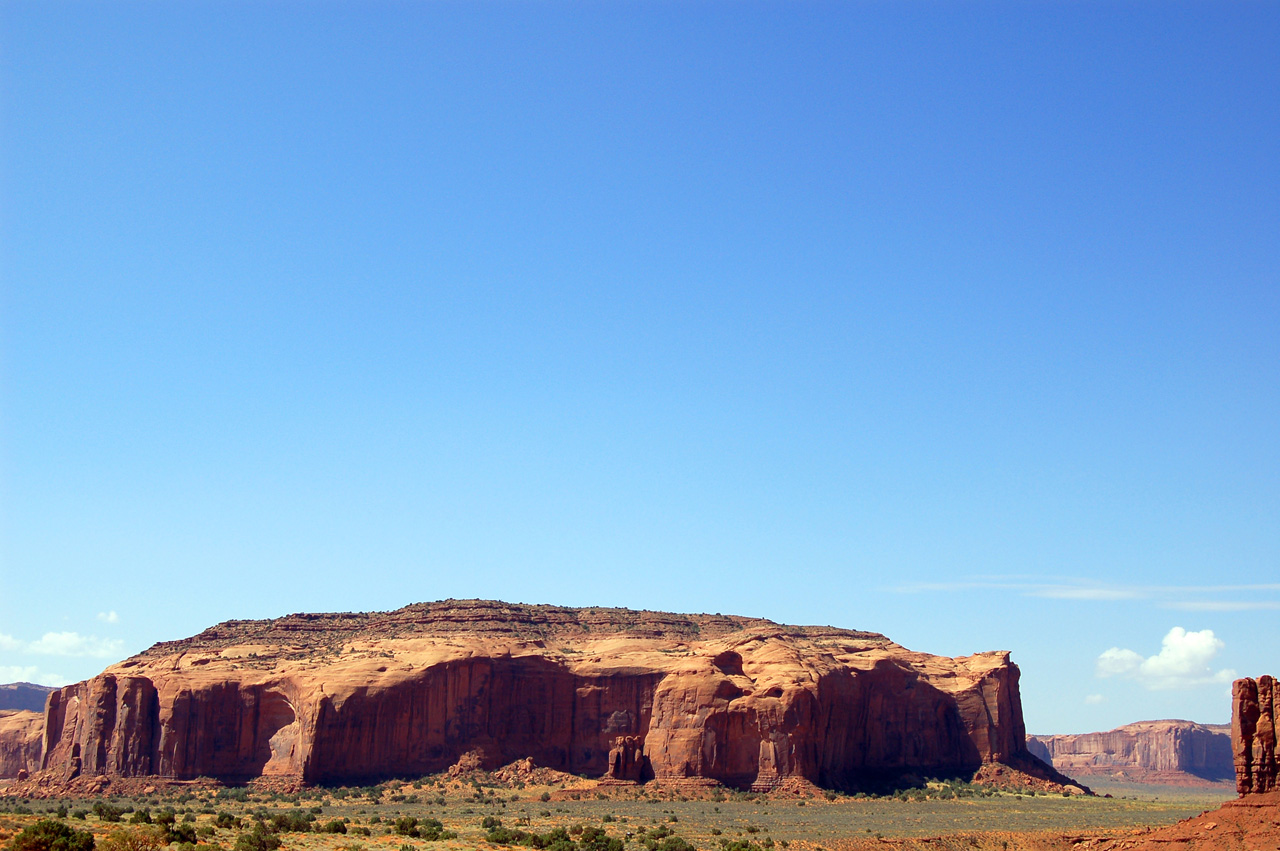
[[845, 824]]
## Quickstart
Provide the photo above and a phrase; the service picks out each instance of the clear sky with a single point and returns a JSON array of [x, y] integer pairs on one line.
[[957, 321]]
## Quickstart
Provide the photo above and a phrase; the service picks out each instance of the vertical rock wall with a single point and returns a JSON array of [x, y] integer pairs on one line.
[[20, 743], [1253, 734]]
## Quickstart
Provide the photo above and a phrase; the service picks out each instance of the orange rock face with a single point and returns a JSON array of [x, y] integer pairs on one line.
[[1143, 749], [20, 742], [1253, 734], [609, 693]]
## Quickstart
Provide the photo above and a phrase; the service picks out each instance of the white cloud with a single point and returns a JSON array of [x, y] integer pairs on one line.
[[1184, 661], [75, 644], [8, 642], [30, 674], [1094, 699], [109, 617]]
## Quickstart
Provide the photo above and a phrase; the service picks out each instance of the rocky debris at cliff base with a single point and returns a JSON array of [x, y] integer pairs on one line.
[[1009, 779]]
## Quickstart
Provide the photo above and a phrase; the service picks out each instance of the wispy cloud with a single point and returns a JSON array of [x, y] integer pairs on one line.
[[109, 617], [8, 642], [75, 644], [1184, 661], [1223, 605], [1094, 699], [1061, 592], [1191, 598]]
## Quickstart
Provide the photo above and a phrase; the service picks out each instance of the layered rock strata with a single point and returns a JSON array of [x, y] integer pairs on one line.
[[611, 693], [1253, 734], [1141, 749]]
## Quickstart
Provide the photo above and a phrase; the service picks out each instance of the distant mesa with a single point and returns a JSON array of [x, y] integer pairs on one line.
[[617, 695], [28, 696], [1171, 752]]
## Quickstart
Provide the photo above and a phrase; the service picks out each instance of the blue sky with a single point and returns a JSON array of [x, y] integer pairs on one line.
[[953, 321]]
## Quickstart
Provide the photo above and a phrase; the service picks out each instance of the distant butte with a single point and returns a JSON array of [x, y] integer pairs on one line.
[[619, 695], [1170, 752]]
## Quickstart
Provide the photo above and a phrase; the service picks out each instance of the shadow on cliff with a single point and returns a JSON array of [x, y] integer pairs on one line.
[[877, 746]]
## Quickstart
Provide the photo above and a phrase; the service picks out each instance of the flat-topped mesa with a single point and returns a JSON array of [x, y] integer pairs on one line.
[[628, 696], [1253, 734], [1167, 749]]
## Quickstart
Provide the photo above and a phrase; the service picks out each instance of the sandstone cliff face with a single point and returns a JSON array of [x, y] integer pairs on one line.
[[601, 692], [1145, 747], [20, 742], [1253, 734]]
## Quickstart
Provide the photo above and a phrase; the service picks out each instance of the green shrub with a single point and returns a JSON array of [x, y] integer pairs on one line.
[[107, 812], [257, 839], [51, 835], [295, 821]]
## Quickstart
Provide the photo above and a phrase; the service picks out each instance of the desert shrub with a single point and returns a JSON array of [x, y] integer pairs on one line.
[[432, 830], [544, 797], [335, 826], [295, 821], [490, 822], [225, 821], [51, 835], [406, 826], [675, 843], [180, 833], [140, 816], [107, 812], [257, 839], [133, 839]]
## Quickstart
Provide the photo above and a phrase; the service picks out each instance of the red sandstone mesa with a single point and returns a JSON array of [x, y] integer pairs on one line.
[[1158, 751], [610, 693]]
